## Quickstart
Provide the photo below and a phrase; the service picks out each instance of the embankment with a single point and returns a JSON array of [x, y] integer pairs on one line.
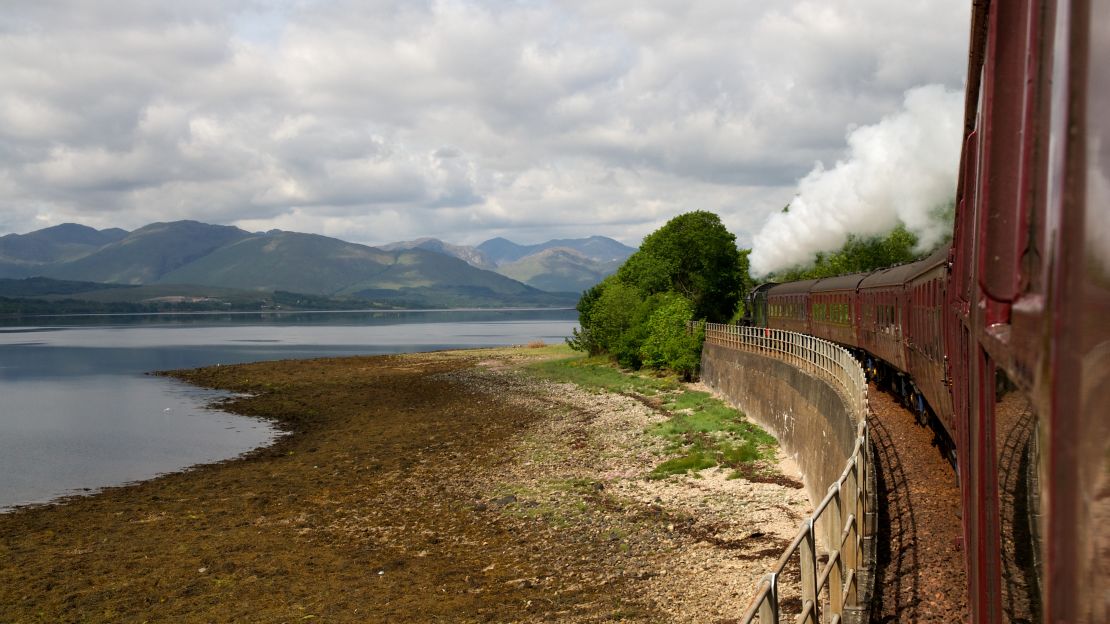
[[811, 420]]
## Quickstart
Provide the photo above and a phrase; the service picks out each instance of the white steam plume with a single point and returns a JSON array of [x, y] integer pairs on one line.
[[902, 169]]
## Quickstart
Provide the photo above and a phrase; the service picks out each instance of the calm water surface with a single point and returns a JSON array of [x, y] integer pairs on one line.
[[77, 411]]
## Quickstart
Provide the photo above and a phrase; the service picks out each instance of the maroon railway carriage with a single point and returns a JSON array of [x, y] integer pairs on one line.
[[788, 306], [924, 340], [882, 303], [1022, 303], [833, 310], [1027, 312]]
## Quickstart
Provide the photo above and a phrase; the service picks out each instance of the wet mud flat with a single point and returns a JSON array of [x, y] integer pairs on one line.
[[442, 487]]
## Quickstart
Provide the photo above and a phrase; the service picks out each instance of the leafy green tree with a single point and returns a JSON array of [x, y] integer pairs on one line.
[[689, 269], [669, 343], [588, 338], [625, 347], [860, 254], [606, 313], [695, 256]]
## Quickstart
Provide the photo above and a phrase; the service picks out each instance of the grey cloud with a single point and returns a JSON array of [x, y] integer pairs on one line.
[[393, 120]]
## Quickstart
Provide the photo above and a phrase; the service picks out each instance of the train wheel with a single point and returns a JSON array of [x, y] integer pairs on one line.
[[921, 410]]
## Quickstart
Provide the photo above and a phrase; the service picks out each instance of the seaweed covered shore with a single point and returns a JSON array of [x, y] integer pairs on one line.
[[437, 487]]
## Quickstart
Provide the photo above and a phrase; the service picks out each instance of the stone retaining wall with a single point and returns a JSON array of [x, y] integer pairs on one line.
[[812, 421]]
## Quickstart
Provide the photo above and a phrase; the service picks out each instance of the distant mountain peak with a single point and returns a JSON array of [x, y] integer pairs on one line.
[[23, 253], [600, 248], [470, 255], [424, 270], [562, 251]]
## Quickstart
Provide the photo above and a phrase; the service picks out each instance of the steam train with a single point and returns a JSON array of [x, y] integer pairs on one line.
[[1001, 340], [890, 318]]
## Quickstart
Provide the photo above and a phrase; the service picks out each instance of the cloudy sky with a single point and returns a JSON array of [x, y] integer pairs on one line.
[[458, 119]]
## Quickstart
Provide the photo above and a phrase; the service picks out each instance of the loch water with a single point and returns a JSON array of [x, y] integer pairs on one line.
[[78, 411]]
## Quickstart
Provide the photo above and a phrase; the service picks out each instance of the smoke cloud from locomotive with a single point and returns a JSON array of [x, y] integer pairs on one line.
[[901, 169]]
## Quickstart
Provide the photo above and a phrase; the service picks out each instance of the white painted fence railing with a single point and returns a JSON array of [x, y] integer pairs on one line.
[[841, 514]]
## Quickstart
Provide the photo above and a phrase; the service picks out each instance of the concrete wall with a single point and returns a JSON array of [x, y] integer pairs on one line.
[[811, 420]]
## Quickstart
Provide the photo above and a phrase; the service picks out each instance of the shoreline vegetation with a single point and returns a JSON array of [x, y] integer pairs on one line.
[[491, 485]]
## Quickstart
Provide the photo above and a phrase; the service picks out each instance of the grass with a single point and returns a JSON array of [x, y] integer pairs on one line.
[[691, 462], [600, 375], [702, 431]]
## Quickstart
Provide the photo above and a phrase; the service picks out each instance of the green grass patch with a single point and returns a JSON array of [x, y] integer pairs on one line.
[[712, 418], [599, 374], [740, 453], [701, 430], [693, 461], [689, 399]]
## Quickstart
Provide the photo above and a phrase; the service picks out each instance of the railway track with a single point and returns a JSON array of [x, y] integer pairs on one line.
[[920, 573]]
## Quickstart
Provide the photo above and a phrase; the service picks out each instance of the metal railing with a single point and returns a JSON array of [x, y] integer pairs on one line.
[[841, 514]]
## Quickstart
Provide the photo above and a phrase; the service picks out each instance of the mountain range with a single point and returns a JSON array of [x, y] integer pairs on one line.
[[560, 265], [426, 272]]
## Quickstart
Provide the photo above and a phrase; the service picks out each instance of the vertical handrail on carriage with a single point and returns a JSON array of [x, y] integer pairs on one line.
[[841, 512]]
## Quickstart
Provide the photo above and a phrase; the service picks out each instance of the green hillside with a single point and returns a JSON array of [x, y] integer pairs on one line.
[[306, 263], [187, 262], [418, 268], [59, 243], [145, 255], [560, 265], [42, 287], [468, 254], [24, 255], [558, 270], [318, 265]]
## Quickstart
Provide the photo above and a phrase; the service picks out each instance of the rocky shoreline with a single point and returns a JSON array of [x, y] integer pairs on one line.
[[431, 487]]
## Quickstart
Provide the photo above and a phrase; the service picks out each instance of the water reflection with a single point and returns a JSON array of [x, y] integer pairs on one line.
[[77, 410]]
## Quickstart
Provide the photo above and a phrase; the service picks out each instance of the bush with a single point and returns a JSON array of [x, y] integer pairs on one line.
[[689, 269], [606, 313], [669, 344]]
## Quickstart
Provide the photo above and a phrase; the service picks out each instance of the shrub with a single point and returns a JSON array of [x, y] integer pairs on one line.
[[668, 342], [688, 269]]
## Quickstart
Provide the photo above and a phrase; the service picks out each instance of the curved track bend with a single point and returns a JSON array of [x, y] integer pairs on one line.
[[920, 574]]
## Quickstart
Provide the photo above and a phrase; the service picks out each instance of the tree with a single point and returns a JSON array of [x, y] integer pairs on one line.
[[608, 314], [690, 269], [858, 255], [669, 343], [588, 338], [695, 256]]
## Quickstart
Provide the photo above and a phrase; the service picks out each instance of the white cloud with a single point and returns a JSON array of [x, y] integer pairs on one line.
[[451, 118]]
